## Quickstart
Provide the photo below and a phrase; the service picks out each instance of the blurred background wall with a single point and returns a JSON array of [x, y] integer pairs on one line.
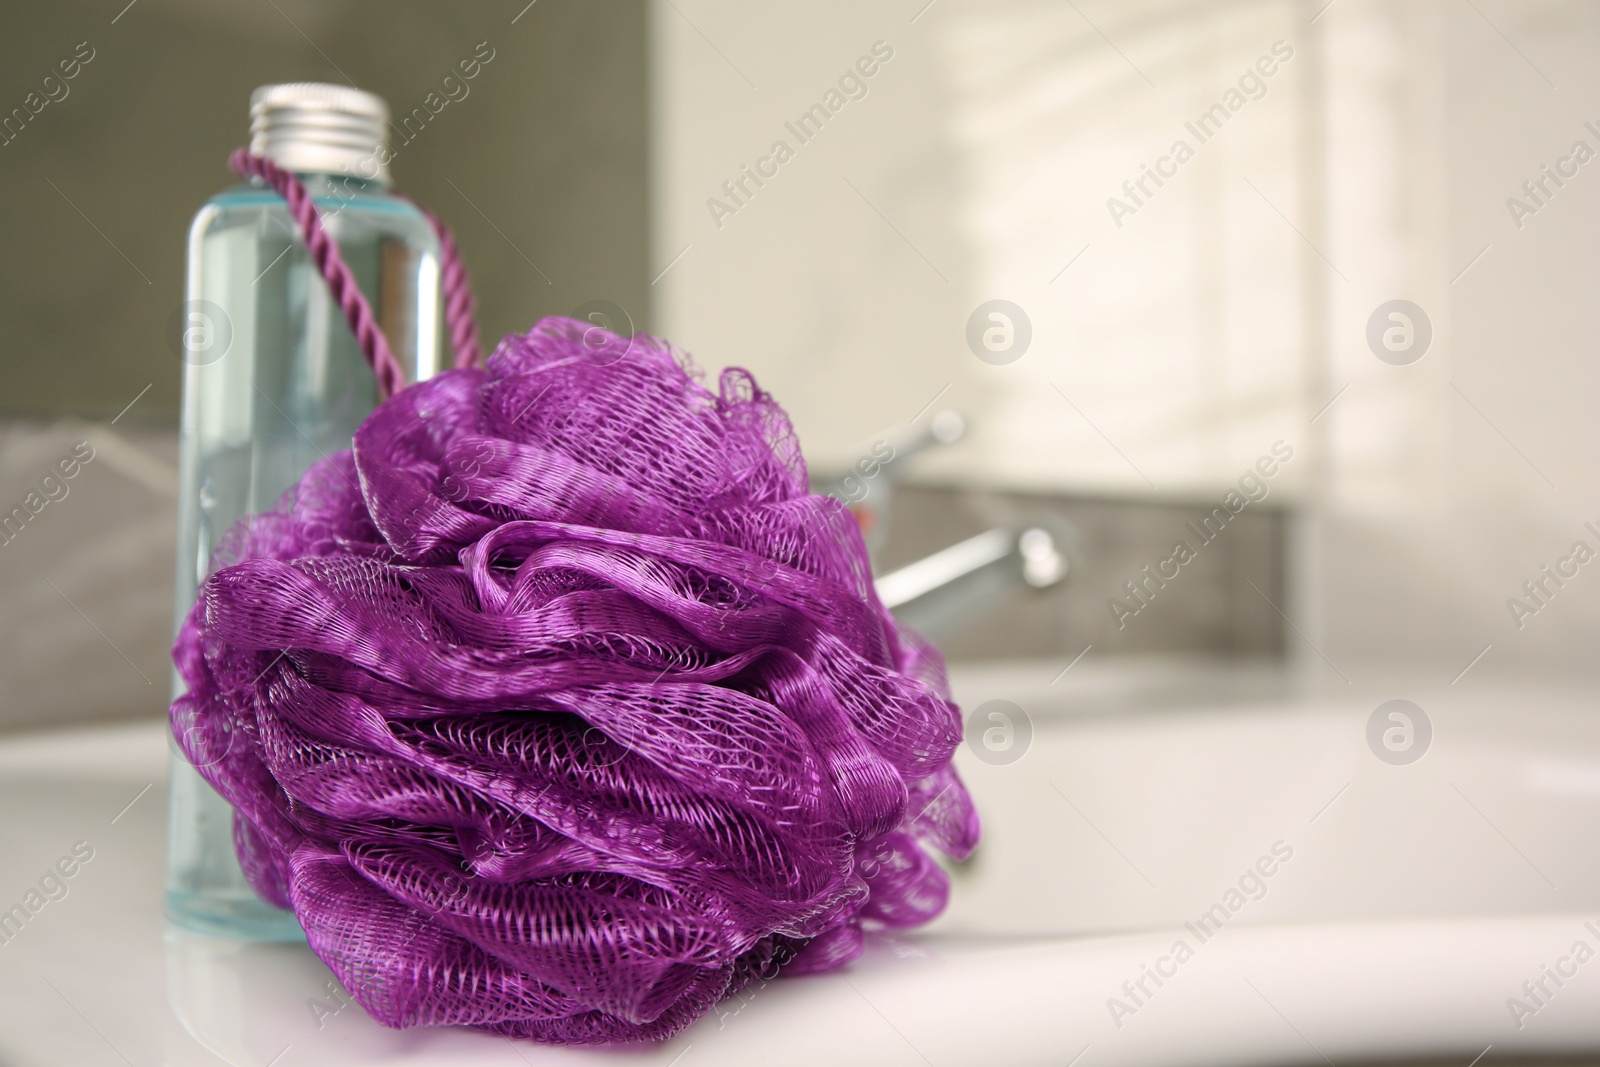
[[967, 151], [1447, 484], [541, 170], [977, 164], [1175, 338]]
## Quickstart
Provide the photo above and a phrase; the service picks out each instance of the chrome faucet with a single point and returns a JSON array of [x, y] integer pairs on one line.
[[1043, 564], [1036, 549]]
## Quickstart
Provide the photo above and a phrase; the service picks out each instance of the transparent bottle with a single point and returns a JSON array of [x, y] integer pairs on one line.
[[274, 381]]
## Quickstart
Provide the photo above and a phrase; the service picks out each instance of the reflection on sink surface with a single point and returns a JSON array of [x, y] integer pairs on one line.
[[1332, 907]]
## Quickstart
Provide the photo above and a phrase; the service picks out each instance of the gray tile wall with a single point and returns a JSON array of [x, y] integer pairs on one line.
[[1224, 602]]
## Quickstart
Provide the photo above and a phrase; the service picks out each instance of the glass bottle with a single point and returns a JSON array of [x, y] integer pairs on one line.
[[273, 381]]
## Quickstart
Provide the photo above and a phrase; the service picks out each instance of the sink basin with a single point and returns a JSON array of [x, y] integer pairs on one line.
[[1330, 905], [1110, 823]]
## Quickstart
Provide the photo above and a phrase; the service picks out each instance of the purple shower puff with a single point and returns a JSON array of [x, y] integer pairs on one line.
[[560, 707]]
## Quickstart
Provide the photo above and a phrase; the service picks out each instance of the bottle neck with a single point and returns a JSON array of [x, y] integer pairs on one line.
[[323, 184]]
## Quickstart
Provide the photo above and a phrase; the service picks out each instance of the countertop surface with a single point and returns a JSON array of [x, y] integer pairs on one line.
[[96, 976]]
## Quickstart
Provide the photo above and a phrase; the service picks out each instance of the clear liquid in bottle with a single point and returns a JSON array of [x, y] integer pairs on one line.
[[273, 382]]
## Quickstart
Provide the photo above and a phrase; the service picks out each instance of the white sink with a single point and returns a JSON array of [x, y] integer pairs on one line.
[[1405, 906], [1118, 822]]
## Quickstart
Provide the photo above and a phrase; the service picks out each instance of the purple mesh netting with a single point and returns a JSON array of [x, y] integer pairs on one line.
[[561, 708]]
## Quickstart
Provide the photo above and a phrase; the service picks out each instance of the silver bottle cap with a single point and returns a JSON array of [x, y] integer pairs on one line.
[[320, 129]]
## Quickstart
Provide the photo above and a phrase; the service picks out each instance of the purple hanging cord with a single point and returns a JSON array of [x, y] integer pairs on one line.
[[459, 303]]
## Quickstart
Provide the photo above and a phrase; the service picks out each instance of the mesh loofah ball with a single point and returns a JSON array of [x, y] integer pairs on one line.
[[561, 708]]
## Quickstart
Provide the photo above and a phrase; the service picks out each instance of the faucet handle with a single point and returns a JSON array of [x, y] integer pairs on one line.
[[1043, 564]]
